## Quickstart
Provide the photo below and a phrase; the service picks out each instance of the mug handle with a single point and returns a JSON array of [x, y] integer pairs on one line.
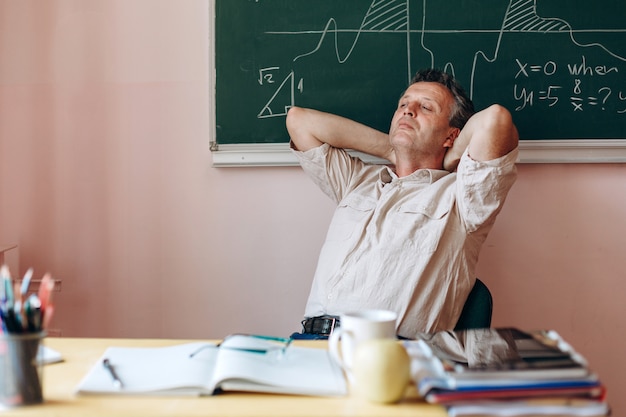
[[333, 347]]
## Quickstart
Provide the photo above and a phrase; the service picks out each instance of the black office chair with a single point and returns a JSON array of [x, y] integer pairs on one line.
[[478, 308]]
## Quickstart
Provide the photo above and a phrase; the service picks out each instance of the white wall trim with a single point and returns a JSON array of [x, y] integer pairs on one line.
[[531, 151]]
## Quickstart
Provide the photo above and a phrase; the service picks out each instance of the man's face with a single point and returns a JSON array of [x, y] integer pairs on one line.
[[421, 121]]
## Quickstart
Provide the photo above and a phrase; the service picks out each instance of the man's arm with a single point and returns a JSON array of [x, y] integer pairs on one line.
[[311, 128], [489, 134]]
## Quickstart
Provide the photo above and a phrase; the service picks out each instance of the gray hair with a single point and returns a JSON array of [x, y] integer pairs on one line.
[[463, 107]]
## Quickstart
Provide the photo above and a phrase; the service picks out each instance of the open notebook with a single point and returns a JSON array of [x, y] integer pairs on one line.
[[240, 363]]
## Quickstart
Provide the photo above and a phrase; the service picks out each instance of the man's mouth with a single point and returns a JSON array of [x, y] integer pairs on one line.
[[405, 125]]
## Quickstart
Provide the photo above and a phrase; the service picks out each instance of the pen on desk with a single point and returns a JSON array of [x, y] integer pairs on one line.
[[117, 382]]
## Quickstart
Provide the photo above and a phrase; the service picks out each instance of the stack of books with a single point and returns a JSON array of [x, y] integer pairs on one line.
[[505, 372]]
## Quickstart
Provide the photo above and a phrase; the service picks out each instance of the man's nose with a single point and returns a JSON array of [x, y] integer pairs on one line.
[[409, 110]]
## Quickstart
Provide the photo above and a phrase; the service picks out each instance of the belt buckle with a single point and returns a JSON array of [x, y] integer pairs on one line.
[[320, 325], [329, 327]]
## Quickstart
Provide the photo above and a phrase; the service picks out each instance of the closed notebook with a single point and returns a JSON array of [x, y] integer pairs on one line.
[[240, 363], [557, 407], [569, 389]]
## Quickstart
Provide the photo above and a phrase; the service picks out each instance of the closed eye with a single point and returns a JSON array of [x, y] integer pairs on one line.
[[427, 108]]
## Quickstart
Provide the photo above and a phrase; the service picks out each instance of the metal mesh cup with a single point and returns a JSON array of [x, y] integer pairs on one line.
[[20, 371]]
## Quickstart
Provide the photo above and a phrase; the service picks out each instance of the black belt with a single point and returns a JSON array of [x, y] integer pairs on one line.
[[320, 325]]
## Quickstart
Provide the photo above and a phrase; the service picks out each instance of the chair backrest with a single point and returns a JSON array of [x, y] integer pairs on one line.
[[478, 308]]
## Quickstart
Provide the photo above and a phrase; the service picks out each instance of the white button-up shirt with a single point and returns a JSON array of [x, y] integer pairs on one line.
[[408, 244]]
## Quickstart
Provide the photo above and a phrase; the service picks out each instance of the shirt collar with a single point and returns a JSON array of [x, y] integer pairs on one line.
[[429, 176]]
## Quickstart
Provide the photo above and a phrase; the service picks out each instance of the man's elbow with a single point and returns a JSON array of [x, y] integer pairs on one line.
[[299, 128], [500, 121], [293, 114]]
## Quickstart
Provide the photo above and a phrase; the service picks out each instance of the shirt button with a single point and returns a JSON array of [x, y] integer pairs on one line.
[[329, 296]]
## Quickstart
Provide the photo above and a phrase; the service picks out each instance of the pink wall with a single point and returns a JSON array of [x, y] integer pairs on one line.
[[106, 181]]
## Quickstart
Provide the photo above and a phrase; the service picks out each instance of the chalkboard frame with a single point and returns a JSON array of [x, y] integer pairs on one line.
[[531, 151], [279, 154]]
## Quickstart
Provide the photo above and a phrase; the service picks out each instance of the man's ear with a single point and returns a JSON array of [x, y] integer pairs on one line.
[[455, 150], [454, 133]]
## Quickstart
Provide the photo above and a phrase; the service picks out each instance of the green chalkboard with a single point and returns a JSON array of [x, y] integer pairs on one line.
[[559, 66]]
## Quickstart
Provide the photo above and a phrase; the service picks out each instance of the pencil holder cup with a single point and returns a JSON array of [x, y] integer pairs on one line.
[[20, 369]]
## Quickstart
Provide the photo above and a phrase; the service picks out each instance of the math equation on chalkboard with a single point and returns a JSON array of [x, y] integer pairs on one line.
[[558, 66]]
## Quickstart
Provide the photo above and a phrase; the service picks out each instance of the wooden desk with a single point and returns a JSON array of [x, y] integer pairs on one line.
[[80, 355]]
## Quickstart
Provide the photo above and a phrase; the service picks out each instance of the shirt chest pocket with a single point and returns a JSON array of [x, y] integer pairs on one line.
[[351, 217], [420, 225]]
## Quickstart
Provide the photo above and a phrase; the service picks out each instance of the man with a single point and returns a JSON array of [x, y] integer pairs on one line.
[[406, 237]]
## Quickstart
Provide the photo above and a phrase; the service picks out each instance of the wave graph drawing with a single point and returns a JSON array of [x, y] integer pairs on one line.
[[521, 17], [394, 16], [381, 16]]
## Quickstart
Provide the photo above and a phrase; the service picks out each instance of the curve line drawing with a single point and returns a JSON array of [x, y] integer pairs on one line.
[[381, 16], [393, 16], [521, 16]]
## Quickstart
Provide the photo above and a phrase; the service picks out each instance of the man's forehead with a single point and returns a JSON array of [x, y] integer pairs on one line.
[[430, 90]]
